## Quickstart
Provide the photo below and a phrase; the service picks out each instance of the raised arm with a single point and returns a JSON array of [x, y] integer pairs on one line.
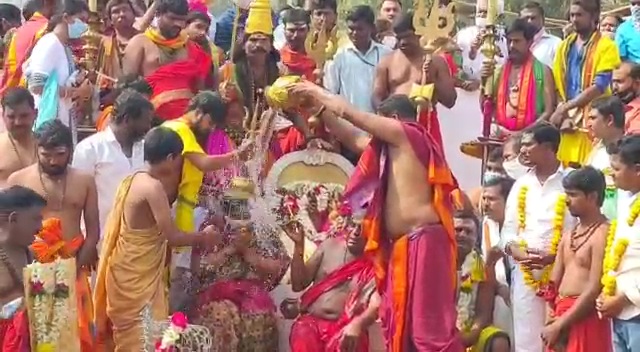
[[355, 142], [208, 163], [134, 56], [381, 89]]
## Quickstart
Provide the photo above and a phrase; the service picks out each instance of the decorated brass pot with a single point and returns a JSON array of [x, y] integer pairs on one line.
[[277, 94]]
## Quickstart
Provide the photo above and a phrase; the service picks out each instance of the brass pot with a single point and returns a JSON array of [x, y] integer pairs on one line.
[[278, 96]]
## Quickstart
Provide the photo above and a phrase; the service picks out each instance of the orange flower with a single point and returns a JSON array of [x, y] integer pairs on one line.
[[50, 243]]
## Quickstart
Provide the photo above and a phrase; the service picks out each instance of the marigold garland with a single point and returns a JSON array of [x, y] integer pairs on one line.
[[558, 226], [613, 252], [522, 207]]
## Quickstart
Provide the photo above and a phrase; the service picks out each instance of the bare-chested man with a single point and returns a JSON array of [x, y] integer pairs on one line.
[[20, 219], [341, 304], [174, 66], [71, 196], [574, 324], [131, 275], [400, 70], [408, 223], [17, 142]]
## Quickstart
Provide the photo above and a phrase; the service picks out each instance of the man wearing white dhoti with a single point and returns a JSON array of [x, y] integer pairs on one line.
[[535, 218]]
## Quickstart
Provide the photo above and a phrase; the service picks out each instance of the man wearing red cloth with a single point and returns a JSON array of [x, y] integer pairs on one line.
[[575, 280], [404, 187], [174, 66], [399, 71], [338, 309], [293, 55], [20, 219]]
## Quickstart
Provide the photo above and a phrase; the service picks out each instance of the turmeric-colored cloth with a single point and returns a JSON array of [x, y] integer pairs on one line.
[[575, 69], [130, 277], [487, 335], [191, 176], [104, 118], [19, 50], [49, 246], [416, 273], [109, 62]]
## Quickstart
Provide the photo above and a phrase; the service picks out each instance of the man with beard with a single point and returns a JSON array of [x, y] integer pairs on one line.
[[544, 45], [205, 111], [626, 85], [117, 152], [524, 92], [174, 66], [575, 281], [399, 71], [606, 123], [71, 196], [582, 72], [293, 55], [18, 115]]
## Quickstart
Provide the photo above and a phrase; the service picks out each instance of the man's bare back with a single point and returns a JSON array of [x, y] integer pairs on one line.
[[66, 199], [578, 263], [15, 158], [143, 57], [137, 211]]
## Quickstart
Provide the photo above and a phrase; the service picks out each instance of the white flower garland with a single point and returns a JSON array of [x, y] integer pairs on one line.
[[328, 193], [465, 306]]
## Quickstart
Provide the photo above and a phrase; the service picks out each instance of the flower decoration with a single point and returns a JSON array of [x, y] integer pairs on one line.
[[471, 273], [37, 288], [177, 326]]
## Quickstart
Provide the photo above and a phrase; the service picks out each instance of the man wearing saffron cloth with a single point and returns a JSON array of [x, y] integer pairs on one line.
[[524, 92], [20, 220], [408, 224], [22, 42], [71, 196], [174, 66], [400, 70], [582, 71], [340, 303], [575, 281], [131, 274], [534, 220], [293, 55]]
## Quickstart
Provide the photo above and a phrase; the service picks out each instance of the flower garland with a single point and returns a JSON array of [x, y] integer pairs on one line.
[[298, 200], [49, 288], [173, 333], [471, 273], [558, 225], [614, 252]]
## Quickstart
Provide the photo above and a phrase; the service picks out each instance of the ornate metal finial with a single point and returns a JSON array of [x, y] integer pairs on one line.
[[92, 39], [320, 46], [432, 25]]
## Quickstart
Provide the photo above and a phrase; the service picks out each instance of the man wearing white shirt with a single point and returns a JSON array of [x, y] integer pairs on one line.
[[494, 197], [544, 44], [606, 122], [620, 299], [115, 153], [528, 230]]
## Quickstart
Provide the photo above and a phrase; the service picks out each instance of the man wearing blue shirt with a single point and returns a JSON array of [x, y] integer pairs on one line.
[[628, 35]]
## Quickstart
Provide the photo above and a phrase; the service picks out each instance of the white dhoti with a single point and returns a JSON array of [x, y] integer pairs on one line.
[[529, 313]]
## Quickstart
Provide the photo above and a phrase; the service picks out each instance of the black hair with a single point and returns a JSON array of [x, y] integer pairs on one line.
[[130, 105], [69, 8], [534, 5], [113, 3], [53, 134], [295, 15], [505, 184], [198, 16], [616, 17], [520, 25], [495, 154], [404, 23], [286, 7], [323, 4], [515, 139], [611, 107], [362, 13], [627, 149], [17, 198], [586, 180], [398, 104], [31, 7], [469, 214], [178, 7], [634, 69], [160, 143], [209, 102], [10, 13], [593, 7], [135, 82], [396, 1], [545, 133], [16, 96]]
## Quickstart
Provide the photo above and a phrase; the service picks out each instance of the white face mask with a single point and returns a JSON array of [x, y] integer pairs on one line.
[[490, 175], [481, 21], [514, 168], [390, 41]]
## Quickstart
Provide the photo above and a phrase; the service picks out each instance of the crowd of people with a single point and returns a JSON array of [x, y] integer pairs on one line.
[[540, 257]]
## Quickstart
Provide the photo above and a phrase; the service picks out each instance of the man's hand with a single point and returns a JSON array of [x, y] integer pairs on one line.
[[610, 307], [559, 115], [551, 333], [210, 237], [494, 255], [350, 337], [504, 292], [306, 88], [470, 86], [295, 231], [538, 259], [487, 70], [87, 256], [518, 254], [477, 41]]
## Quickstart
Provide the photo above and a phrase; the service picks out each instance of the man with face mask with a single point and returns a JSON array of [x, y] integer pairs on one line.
[[626, 85], [544, 44], [174, 66], [117, 152], [627, 35], [71, 197]]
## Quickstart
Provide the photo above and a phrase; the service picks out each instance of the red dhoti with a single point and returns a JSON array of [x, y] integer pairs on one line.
[[312, 334], [14, 333], [429, 120], [591, 334]]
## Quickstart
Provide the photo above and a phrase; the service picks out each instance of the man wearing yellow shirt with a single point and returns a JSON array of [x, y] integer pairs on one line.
[[205, 111]]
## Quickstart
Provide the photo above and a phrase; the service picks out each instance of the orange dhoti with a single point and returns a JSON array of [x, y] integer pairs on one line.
[[49, 246]]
